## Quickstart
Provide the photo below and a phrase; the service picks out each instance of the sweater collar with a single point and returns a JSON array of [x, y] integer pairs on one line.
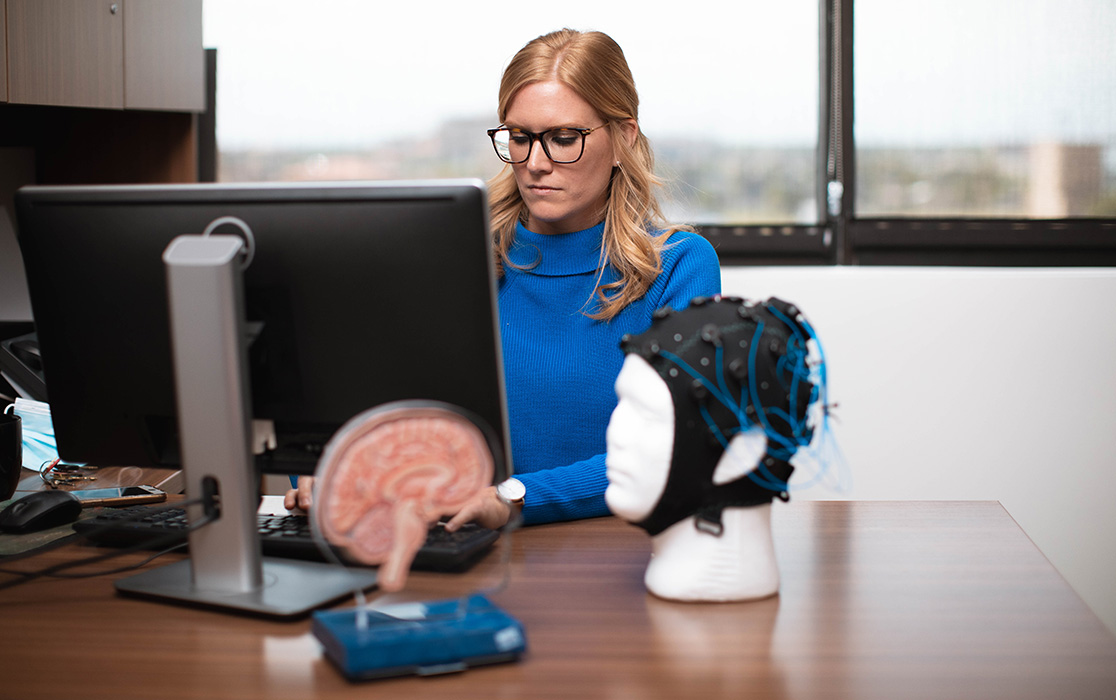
[[557, 254]]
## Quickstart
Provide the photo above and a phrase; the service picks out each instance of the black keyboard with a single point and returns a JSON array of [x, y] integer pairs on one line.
[[285, 536]]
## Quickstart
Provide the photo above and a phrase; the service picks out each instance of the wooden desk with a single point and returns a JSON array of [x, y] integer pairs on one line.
[[879, 600]]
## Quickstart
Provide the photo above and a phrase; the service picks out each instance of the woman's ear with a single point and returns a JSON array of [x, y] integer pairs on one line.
[[630, 130]]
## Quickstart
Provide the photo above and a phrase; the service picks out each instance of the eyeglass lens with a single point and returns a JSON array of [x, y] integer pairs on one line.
[[561, 145]]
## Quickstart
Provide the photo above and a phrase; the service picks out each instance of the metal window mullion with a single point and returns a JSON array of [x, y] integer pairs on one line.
[[847, 140], [836, 152]]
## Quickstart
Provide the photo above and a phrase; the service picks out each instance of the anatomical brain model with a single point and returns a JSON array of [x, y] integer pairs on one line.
[[390, 473]]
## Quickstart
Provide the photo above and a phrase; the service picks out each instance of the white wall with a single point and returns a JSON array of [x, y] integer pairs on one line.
[[974, 384]]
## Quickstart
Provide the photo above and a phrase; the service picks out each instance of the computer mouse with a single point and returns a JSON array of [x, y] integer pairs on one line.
[[39, 511]]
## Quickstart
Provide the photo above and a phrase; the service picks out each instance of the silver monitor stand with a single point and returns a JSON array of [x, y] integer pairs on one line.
[[225, 569]]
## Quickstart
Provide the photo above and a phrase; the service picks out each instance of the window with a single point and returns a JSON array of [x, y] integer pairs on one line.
[[807, 131], [984, 132], [986, 109]]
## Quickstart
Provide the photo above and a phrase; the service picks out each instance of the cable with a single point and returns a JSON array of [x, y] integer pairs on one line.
[[160, 541], [122, 569]]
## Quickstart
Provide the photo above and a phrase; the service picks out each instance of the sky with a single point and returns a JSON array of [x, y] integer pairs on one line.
[[965, 69], [342, 73]]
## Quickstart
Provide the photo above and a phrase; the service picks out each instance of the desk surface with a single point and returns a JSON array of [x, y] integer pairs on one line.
[[878, 600]]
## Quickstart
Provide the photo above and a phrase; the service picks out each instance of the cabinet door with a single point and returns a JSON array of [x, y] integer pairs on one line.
[[163, 55], [66, 52], [3, 51]]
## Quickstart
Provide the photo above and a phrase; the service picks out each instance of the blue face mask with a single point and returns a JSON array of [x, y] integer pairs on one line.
[[39, 447]]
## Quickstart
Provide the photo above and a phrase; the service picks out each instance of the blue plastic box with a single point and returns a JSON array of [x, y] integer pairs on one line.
[[423, 638]]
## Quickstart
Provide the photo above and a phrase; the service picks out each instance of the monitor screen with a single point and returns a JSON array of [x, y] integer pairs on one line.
[[358, 294]]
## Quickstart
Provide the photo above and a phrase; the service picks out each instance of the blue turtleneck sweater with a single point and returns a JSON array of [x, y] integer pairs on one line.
[[560, 365]]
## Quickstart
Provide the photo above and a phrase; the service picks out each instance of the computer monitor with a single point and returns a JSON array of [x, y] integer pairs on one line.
[[357, 294]]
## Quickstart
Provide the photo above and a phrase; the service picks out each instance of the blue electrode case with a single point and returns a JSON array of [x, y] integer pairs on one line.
[[422, 638]]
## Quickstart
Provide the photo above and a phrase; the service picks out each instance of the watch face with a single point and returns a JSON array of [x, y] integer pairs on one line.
[[511, 490]]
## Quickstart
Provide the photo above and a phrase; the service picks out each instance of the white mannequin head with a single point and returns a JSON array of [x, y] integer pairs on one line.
[[688, 563], [713, 402]]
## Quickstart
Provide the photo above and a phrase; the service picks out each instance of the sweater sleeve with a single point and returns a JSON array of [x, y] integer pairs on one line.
[[569, 492], [690, 269]]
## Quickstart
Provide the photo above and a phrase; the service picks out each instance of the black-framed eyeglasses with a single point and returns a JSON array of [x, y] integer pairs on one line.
[[562, 145]]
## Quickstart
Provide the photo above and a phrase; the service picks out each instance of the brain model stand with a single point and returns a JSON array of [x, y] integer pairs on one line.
[[713, 402], [383, 479]]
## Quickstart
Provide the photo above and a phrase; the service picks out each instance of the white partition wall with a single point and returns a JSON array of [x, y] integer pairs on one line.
[[974, 384]]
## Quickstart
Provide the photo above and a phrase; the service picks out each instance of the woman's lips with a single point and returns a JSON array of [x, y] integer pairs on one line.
[[542, 189]]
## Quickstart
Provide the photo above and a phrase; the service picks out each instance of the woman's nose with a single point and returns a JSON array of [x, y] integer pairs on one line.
[[537, 159]]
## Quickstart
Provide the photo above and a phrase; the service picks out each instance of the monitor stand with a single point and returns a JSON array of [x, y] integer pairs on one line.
[[225, 569]]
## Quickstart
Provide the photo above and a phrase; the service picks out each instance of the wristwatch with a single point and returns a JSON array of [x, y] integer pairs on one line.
[[511, 491]]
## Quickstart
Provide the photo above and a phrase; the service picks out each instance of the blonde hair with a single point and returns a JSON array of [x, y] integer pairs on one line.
[[593, 66]]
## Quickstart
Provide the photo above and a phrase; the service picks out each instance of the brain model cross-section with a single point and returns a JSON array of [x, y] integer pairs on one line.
[[390, 473]]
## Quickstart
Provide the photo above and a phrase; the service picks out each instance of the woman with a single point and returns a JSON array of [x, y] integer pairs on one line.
[[584, 258]]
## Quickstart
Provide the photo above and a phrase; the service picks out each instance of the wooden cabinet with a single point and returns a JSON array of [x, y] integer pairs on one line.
[[115, 54], [164, 62], [66, 52], [3, 51], [105, 91]]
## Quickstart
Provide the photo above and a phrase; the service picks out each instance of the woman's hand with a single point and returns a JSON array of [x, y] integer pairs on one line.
[[486, 509], [302, 496]]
